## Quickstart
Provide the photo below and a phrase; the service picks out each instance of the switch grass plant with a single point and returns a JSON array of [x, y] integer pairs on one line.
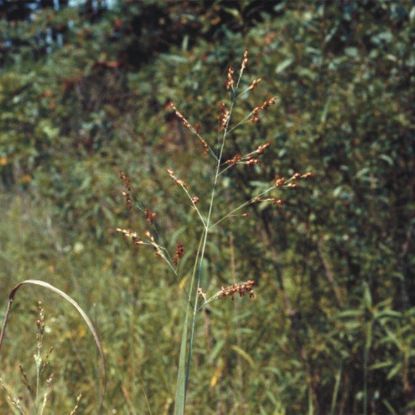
[[209, 220]]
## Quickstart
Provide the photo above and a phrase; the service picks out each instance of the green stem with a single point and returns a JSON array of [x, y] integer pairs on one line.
[[199, 260], [242, 206]]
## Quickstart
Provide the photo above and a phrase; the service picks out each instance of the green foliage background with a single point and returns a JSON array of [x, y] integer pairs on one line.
[[83, 94]]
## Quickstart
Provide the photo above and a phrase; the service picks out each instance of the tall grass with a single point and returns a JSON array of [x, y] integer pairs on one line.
[[209, 219]]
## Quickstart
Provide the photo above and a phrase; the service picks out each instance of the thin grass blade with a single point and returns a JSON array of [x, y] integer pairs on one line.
[[180, 400]]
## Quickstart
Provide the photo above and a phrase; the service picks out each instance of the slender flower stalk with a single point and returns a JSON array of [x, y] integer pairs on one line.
[[209, 216]]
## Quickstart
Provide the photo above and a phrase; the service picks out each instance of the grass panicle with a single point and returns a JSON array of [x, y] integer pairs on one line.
[[208, 217]]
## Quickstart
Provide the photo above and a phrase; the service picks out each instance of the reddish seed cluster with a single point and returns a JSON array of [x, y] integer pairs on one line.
[[279, 181], [252, 161], [255, 112], [240, 288], [150, 215], [277, 202], [176, 179], [127, 189], [261, 149], [248, 159], [292, 181], [223, 116], [179, 253], [234, 160], [254, 84], [189, 126], [229, 84], [180, 116]]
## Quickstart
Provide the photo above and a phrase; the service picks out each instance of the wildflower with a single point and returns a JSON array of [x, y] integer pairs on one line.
[[255, 112]]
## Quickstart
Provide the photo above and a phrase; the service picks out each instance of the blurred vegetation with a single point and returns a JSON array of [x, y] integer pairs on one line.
[[83, 94]]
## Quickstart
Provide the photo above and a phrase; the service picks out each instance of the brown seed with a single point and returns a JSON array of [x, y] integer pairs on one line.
[[279, 181], [150, 215], [244, 61], [234, 160], [179, 253], [241, 288], [254, 84]]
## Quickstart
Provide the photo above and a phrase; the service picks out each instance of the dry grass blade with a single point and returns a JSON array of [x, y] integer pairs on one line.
[[78, 308]]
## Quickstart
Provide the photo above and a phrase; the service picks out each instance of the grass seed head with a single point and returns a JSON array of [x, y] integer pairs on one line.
[[223, 116], [234, 160], [150, 215], [254, 84], [127, 189], [176, 179], [261, 149], [179, 253], [130, 235], [256, 111], [241, 288], [229, 84], [244, 61], [279, 181], [252, 161]]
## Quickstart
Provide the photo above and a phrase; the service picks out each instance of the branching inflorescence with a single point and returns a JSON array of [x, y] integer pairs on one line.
[[197, 298]]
